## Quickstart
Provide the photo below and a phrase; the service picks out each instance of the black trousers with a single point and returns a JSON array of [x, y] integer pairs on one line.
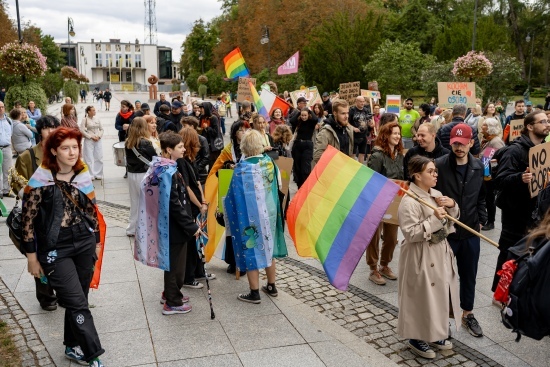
[[173, 279], [229, 252], [490, 200], [44, 293], [467, 257], [194, 267], [69, 270], [302, 153]]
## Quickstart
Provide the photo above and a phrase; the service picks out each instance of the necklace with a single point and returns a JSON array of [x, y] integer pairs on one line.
[[64, 173]]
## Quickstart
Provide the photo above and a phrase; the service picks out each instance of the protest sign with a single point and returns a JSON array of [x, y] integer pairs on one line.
[[393, 104], [373, 85], [452, 93], [224, 179], [285, 167], [243, 91], [391, 214], [175, 94], [371, 94], [515, 129], [486, 157], [350, 91], [539, 166], [311, 95]]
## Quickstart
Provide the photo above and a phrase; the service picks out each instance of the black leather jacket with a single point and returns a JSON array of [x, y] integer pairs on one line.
[[181, 226], [133, 163]]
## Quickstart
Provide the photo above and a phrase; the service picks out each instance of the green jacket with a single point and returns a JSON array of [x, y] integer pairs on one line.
[[24, 166], [385, 165]]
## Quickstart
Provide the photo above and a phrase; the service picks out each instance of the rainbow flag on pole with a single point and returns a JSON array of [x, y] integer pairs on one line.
[[235, 66], [336, 212], [258, 102]]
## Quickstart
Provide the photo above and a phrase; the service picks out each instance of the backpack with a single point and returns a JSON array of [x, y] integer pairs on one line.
[[526, 311], [222, 110]]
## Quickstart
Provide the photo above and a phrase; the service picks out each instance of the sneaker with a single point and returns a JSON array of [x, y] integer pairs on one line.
[[172, 310], [252, 297], [270, 289], [185, 299], [386, 272], [421, 348], [209, 275], [471, 324], [376, 278], [488, 227], [96, 363], [442, 344], [194, 285], [75, 354]]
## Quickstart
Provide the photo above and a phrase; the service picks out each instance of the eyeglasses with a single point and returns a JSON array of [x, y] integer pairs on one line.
[[544, 122], [433, 171]]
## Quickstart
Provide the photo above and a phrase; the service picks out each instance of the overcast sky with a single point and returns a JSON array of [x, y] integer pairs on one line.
[[124, 19]]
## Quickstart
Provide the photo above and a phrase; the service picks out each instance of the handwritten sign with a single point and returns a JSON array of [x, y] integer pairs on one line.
[[350, 91], [373, 95], [243, 90], [311, 95], [393, 103], [539, 166], [175, 94], [452, 93], [515, 129], [391, 214]]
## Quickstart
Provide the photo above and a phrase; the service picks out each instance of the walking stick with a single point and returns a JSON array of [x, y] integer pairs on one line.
[[485, 238], [202, 239]]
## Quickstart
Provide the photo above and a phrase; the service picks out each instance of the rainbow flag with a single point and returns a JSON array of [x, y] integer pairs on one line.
[[260, 107], [235, 66], [336, 212]]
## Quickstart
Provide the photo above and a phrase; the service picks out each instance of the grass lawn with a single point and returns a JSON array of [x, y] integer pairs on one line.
[[9, 354]]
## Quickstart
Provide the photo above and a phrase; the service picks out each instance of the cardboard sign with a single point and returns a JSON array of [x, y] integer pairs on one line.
[[175, 94], [285, 167], [350, 91], [311, 95], [393, 104], [452, 93], [391, 214], [224, 179], [374, 95], [515, 129], [243, 90], [373, 85], [539, 166]]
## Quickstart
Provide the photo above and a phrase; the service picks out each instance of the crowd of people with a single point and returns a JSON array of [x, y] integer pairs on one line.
[[175, 151]]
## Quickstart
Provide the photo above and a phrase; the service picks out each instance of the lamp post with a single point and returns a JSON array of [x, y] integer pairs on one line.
[[18, 21], [263, 41], [475, 27], [201, 59], [70, 33], [532, 40]]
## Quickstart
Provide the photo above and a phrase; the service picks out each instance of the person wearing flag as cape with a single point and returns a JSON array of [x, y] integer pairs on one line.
[[254, 216], [61, 237]]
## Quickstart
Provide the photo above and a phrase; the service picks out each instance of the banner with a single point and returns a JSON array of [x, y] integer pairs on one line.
[[393, 103], [224, 179], [272, 101], [175, 94], [515, 129], [452, 93], [243, 91], [285, 167], [373, 95], [350, 91], [539, 166], [290, 66], [311, 95], [391, 213]]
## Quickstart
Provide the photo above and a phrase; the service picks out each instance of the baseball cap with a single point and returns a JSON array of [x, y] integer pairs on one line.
[[529, 103], [301, 99], [175, 104], [325, 94], [462, 134], [145, 106]]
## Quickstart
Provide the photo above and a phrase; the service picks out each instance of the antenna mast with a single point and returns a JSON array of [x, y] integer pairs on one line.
[[150, 22]]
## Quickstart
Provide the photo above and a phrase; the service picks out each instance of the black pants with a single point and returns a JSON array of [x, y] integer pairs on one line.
[[229, 252], [213, 157], [69, 270], [302, 153], [467, 257], [173, 279], [44, 293], [490, 200], [194, 267]]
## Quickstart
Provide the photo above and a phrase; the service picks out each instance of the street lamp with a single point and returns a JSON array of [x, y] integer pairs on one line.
[[201, 59], [70, 33], [263, 41], [528, 39]]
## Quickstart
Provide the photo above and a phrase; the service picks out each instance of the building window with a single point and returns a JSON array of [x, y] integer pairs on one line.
[[117, 48], [128, 61], [108, 47], [165, 64], [98, 60], [127, 48], [138, 48], [128, 76], [137, 62], [108, 60], [98, 46], [118, 58]]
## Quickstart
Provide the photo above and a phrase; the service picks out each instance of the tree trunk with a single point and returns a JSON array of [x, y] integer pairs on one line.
[[517, 37]]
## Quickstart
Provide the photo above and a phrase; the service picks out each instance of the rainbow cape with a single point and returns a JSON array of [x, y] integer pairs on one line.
[[336, 212], [235, 66], [260, 107]]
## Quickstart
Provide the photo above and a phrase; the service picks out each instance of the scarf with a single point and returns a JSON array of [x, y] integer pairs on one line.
[[126, 115]]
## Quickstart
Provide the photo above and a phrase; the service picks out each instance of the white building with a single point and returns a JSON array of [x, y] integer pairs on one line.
[[124, 65]]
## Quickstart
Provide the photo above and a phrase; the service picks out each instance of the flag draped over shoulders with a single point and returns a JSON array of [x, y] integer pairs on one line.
[[152, 241], [254, 214]]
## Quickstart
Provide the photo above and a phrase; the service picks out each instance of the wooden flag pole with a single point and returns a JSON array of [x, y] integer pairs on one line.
[[485, 238]]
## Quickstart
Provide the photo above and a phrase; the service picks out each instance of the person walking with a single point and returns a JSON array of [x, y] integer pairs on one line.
[[107, 95], [92, 130]]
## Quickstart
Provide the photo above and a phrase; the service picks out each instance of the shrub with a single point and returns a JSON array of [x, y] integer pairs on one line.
[[51, 83], [68, 72], [202, 90], [25, 92], [71, 89], [203, 79], [23, 60]]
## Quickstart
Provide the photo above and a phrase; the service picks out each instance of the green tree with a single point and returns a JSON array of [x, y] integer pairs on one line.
[[55, 58], [337, 49], [52, 83], [397, 67], [438, 72], [505, 76], [28, 91]]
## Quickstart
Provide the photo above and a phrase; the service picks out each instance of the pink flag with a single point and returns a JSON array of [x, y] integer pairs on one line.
[[290, 66]]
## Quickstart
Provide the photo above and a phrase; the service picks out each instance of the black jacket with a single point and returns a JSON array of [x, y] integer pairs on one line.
[[513, 160], [119, 121], [439, 151], [211, 132], [181, 225], [444, 135], [327, 106], [133, 163], [156, 109], [176, 120], [468, 195]]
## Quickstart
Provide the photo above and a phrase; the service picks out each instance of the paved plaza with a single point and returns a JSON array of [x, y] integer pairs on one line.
[[310, 323]]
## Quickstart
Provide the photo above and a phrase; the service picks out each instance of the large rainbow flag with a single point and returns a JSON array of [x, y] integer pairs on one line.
[[235, 66], [336, 212], [260, 107]]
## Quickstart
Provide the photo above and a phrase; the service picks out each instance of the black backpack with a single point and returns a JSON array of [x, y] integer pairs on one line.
[[527, 312]]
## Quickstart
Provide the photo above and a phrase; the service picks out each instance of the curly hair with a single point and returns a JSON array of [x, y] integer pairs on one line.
[[54, 140], [383, 137], [282, 134]]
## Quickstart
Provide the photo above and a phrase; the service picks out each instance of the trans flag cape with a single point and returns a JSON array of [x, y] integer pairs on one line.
[[83, 182], [336, 212], [152, 244], [254, 214]]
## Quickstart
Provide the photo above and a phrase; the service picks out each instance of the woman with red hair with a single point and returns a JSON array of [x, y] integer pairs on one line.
[[61, 237], [386, 159]]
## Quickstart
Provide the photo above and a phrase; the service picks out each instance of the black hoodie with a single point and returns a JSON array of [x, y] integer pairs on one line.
[[210, 125], [341, 133]]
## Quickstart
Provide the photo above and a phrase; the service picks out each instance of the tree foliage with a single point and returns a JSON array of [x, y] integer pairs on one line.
[[505, 76], [7, 30], [71, 89], [52, 83], [438, 72], [24, 92]]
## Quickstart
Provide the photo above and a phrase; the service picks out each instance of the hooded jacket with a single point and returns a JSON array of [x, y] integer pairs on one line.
[[210, 125], [439, 151], [328, 136]]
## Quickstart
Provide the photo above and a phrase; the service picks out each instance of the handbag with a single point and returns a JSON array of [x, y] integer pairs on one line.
[[218, 143]]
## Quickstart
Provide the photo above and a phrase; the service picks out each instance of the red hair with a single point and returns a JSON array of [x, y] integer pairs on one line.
[[384, 136], [54, 140]]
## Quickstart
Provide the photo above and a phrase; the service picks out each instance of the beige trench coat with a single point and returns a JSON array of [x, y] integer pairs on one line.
[[427, 272]]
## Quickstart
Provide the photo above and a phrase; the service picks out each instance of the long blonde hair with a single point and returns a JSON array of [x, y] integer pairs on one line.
[[138, 130]]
